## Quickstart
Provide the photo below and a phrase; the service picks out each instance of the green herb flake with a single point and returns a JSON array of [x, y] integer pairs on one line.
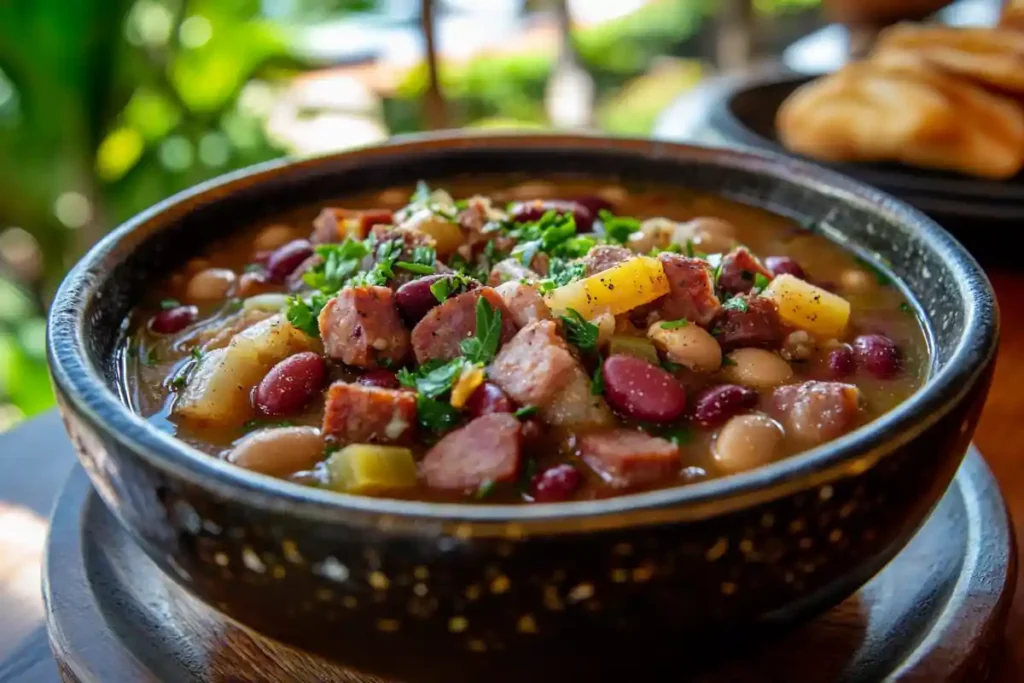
[[168, 304], [197, 353], [578, 331], [485, 489], [150, 358], [560, 273], [526, 411], [727, 361], [761, 283], [737, 303], [905, 307], [305, 315], [441, 289], [680, 436], [525, 482], [432, 382], [675, 324], [435, 416], [618, 228], [482, 347], [417, 268], [670, 366], [597, 382], [425, 256], [179, 382]]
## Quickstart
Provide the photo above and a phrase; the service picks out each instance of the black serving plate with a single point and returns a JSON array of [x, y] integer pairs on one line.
[[492, 592], [740, 110]]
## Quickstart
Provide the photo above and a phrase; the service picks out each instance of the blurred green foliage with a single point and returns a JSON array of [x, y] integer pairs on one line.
[[108, 106]]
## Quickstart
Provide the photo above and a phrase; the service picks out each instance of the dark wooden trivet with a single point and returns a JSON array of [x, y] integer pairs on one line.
[[935, 613]]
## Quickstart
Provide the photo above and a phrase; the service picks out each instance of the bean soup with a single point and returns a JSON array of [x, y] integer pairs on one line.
[[520, 341]]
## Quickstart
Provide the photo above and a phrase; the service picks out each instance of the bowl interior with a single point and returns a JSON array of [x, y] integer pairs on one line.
[[951, 294]]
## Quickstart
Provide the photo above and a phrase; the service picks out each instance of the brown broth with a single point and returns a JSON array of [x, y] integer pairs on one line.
[[153, 361]]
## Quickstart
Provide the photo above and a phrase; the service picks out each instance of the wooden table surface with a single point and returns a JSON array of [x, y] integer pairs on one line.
[[32, 470]]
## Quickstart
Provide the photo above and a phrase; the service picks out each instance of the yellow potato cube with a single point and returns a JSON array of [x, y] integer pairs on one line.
[[447, 235], [807, 307], [619, 289], [368, 469]]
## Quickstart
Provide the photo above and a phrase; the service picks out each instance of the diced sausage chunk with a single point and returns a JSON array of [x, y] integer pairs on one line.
[[524, 302], [480, 220], [486, 449], [537, 369], [816, 412], [355, 413], [600, 259], [438, 335], [691, 289], [509, 270], [336, 225], [753, 322], [361, 327], [739, 271], [626, 458]]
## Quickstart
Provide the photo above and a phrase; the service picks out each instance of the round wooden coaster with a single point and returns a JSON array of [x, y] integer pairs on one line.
[[935, 613]]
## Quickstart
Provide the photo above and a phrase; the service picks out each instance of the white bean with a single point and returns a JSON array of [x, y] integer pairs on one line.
[[210, 284], [272, 237], [689, 345], [279, 451], [757, 368], [747, 441]]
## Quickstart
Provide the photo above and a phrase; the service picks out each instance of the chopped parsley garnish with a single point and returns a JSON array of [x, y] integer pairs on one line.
[[761, 283], [435, 416], [485, 489], [561, 273], [677, 435], [167, 304], [482, 347], [597, 382], [425, 256], [233, 305], [670, 366], [905, 307], [304, 315], [618, 228], [690, 251], [197, 353], [675, 324], [149, 358], [433, 378], [417, 268], [525, 482], [554, 233], [727, 361], [578, 331], [441, 289], [339, 262], [179, 382], [526, 411], [438, 203], [737, 303]]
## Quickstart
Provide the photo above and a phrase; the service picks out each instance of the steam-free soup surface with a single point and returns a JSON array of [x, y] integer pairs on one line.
[[518, 340]]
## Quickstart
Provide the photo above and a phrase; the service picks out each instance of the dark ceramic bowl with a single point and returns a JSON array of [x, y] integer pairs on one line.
[[981, 213], [481, 592]]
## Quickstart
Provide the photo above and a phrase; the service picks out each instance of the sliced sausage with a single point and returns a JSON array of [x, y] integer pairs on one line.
[[486, 449], [527, 212], [524, 302], [601, 258], [625, 458], [480, 220], [739, 271], [410, 238], [691, 289], [537, 369], [437, 336], [754, 322], [815, 412], [334, 224], [361, 327], [355, 413]]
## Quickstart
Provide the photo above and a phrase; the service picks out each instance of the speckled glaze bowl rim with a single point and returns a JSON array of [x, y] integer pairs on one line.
[[85, 392]]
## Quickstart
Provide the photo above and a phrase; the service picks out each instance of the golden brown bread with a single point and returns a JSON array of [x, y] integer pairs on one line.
[[994, 57], [900, 108]]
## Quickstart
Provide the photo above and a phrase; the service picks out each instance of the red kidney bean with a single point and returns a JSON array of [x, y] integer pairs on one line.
[[285, 259], [783, 265], [173, 319], [555, 484], [715, 405], [524, 212], [877, 354], [595, 204], [383, 379], [642, 391], [841, 362], [414, 299], [291, 384], [488, 398]]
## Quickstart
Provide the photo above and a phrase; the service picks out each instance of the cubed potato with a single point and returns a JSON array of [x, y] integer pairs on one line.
[[807, 307], [619, 289], [447, 235], [369, 469]]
